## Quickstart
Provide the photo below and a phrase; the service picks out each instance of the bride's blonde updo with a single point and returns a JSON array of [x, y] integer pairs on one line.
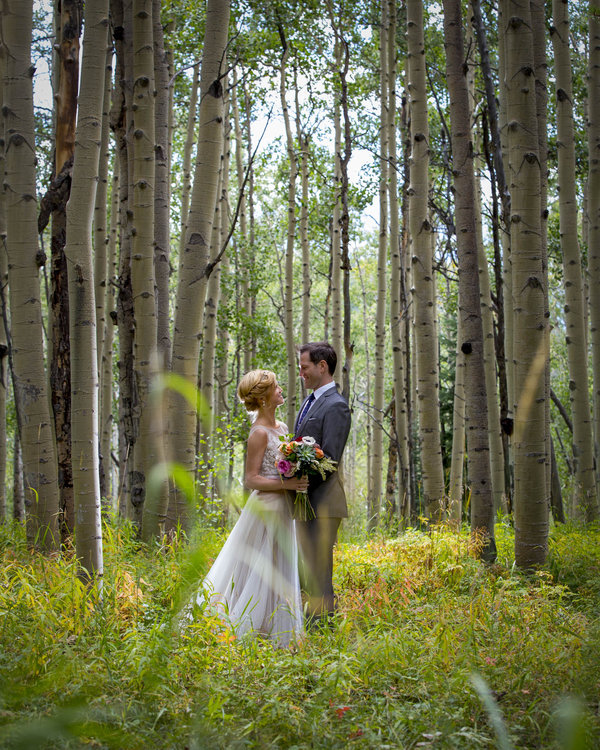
[[254, 388]]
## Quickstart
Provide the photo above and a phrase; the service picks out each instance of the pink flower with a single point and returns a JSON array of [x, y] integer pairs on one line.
[[285, 468]]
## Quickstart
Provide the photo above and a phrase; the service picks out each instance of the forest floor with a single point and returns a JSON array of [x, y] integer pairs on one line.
[[430, 649]]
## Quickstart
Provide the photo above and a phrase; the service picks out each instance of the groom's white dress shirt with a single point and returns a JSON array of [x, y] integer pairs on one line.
[[316, 394], [320, 391]]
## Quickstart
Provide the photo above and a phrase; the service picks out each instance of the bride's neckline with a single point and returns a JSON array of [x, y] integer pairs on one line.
[[276, 426]]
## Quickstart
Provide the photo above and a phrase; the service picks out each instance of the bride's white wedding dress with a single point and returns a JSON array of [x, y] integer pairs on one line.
[[253, 584]]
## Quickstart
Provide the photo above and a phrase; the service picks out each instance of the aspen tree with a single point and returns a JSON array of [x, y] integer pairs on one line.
[[249, 256], [487, 318], [18, 483], [366, 399], [397, 313], [497, 463], [3, 292], [206, 427], [336, 243], [224, 475], [121, 120], [593, 211], [2, 140], [341, 218], [423, 278], [106, 369], [69, 19], [501, 215], [505, 240], [304, 142], [346, 153], [143, 280], [531, 501], [288, 300], [243, 244], [206, 424], [101, 240], [162, 193], [457, 460], [583, 442], [82, 309], [375, 489], [36, 428], [188, 149], [391, 481], [193, 262], [540, 41], [471, 329], [100, 211]]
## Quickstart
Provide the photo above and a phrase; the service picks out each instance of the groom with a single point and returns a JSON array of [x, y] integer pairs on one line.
[[325, 416]]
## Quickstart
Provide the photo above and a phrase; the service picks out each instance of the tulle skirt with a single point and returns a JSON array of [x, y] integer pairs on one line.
[[253, 584]]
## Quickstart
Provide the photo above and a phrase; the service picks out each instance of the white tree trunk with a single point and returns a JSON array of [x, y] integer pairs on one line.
[[191, 285], [531, 502], [376, 487], [593, 212], [82, 318], [423, 277], [36, 428], [143, 279], [288, 297]]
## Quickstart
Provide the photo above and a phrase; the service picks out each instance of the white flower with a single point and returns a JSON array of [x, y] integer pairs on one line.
[[308, 440]]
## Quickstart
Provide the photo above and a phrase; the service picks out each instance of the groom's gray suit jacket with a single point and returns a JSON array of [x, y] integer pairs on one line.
[[328, 422]]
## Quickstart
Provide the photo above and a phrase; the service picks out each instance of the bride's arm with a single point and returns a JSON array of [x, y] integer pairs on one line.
[[257, 444]]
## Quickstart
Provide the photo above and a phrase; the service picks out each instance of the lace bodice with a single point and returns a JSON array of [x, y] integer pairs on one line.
[[271, 451]]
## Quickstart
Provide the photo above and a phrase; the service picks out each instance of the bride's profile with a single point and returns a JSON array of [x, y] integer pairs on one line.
[[253, 584]]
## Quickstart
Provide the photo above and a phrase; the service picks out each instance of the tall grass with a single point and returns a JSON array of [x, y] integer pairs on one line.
[[430, 648]]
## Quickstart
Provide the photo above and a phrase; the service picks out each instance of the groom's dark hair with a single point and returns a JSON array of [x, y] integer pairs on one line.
[[321, 350]]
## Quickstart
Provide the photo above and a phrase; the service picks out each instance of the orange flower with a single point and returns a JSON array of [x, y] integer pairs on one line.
[[318, 452]]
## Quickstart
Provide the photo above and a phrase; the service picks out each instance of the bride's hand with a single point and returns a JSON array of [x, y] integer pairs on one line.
[[299, 484]]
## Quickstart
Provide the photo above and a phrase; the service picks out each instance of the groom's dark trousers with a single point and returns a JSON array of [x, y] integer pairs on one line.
[[316, 539], [328, 422]]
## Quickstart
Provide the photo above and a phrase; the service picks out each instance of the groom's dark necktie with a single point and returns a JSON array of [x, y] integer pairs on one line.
[[307, 404]]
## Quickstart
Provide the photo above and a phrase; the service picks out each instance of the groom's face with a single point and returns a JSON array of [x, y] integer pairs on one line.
[[312, 373]]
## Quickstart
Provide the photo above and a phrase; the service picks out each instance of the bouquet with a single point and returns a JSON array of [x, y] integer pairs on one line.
[[299, 458]]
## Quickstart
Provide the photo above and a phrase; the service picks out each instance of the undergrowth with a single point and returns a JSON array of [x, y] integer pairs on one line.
[[430, 648]]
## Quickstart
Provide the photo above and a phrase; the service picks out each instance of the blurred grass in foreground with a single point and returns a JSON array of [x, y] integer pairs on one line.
[[430, 649]]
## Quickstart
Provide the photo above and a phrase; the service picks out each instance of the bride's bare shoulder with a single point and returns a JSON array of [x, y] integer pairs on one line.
[[257, 438]]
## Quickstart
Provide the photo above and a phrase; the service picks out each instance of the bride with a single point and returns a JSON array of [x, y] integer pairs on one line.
[[253, 584]]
